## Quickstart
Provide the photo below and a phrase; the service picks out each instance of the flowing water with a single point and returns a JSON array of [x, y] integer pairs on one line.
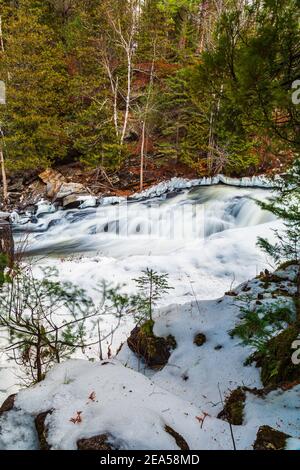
[[154, 226]]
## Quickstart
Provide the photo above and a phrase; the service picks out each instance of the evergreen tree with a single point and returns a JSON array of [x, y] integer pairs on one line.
[[286, 205]]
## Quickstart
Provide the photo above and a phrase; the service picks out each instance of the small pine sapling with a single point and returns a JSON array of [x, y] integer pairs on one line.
[[152, 287]]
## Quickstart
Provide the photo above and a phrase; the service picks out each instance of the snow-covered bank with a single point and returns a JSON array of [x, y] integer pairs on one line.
[[132, 405]]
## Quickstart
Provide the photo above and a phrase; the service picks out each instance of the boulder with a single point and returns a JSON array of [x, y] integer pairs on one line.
[[73, 201], [95, 443], [68, 189], [270, 439], [154, 350], [54, 181]]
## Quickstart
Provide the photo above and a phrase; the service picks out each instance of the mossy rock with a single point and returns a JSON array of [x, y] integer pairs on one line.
[[276, 363], [200, 339], [233, 411], [153, 350], [270, 439]]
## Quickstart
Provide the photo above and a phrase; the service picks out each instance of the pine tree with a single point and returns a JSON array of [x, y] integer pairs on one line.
[[152, 287], [286, 205]]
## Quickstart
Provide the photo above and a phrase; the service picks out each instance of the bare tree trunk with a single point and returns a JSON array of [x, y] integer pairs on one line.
[[2, 162], [128, 96], [142, 157], [114, 88], [4, 178], [1, 36]]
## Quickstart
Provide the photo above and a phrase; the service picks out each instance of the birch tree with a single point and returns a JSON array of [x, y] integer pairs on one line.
[[2, 161]]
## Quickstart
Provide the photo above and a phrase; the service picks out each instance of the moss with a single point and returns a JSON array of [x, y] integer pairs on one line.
[[270, 439], [147, 328], [276, 363], [233, 411], [200, 339], [287, 264]]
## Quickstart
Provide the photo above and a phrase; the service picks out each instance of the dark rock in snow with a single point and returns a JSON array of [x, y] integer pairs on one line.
[[41, 429], [95, 443], [200, 339], [233, 411], [8, 404], [154, 350], [270, 439]]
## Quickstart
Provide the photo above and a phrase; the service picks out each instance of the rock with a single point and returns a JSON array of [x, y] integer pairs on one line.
[[171, 340], [276, 362], [154, 350], [270, 439], [73, 201], [233, 411], [41, 430], [95, 443], [8, 404], [54, 181], [180, 441], [200, 339], [16, 186], [231, 294], [67, 189]]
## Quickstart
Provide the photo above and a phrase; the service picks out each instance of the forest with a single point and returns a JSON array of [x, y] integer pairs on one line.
[[207, 83]]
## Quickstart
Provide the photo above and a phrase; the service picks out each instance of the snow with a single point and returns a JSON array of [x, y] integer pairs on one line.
[[119, 396], [293, 444], [123, 402]]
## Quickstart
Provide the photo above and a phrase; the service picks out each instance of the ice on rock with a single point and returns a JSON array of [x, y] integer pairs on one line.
[[45, 207], [181, 183], [88, 201]]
